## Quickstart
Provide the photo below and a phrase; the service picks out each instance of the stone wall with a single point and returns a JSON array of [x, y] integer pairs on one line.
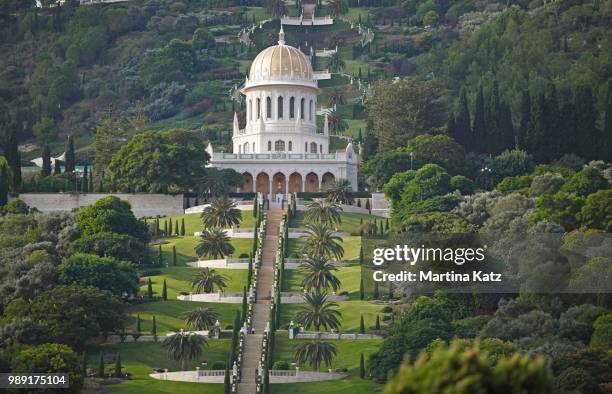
[[142, 204]]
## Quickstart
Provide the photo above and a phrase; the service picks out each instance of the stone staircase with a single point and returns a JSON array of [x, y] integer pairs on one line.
[[261, 313]]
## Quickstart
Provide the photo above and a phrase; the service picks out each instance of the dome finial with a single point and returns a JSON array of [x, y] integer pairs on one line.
[[281, 36]]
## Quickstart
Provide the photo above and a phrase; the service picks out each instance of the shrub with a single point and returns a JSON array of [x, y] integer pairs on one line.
[[463, 184], [387, 309], [281, 365], [217, 365], [16, 207]]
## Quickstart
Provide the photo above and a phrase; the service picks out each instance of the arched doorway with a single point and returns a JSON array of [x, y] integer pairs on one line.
[[247, 186], [263, 184], [279, 183], [295, 183], [327, 180], [312, 182]]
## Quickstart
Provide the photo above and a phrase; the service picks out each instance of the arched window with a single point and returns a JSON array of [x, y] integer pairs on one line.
[[258, 107], [268, 107], [306, 147], [313, 147], [321, 148], [239, 148], [253, 147], [279, 146], [302, 107], [250, 109], [310, 111], [292, 108], [290, 146], [269, 146], [279, 110], [246, 147]]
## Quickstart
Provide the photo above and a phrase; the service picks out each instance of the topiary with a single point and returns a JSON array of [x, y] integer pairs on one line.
[[281, 366]]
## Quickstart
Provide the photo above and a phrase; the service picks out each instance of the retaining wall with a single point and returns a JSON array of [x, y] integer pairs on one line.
[[142, 204]]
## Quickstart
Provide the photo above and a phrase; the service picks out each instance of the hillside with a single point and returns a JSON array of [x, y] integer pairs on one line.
[[160, 64]]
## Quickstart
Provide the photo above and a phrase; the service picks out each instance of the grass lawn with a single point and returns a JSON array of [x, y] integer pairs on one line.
[[350, 244], [193, 221], [185, 248], [351, 313], [347, 357], [140, 358], [167, 313], [349, 280], [350, 221]]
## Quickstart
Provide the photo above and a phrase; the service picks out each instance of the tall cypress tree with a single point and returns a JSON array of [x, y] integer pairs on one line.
[[149, 289], [586, 115], [160, 256], [463, 124], [506, 129], [607, 128], [451, 127], [170, 227], [4, 183], [164, 291], [361, 366], [101, 366], [13, 156], [480, 127], [361, 325], [536, 134], [118, 366], [552, 123], [85, 179], [154, 329], [183, 227], [370, 142], [70, 157], [138, 330], [174, 255], [523, 131], [46, 161]]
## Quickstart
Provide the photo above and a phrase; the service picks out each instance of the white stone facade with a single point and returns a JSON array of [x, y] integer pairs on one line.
[[280, 150]]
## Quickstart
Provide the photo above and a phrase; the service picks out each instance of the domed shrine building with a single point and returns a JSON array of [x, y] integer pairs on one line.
[[281, 150]]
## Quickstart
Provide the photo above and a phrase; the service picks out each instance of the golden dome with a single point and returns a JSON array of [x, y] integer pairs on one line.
[[280, 62]]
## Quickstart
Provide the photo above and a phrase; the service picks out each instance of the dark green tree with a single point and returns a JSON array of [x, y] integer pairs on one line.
[[118, 373], [70, 157], [85, 179], [377, 326], [164, 291], [46, 161], [160, 256], [463, 124], [183, 227], [525, 121], [586, 116], [101, 366], [170, 227], [4, 182], [480, 127], [607, 128], [174, 255], [361, 325], [149, 289], [138, 328], [361, 366], [361, 290], [154, 329]]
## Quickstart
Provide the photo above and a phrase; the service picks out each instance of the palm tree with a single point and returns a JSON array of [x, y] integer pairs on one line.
[[321, 241], [200, 318], [335, 123], [335, 63], [314, 353], [340, 191], [336, 97], [221, 212], [337, 7], [206, 280], [184, 346], [318, 312], [215, 243], [324, 212], [318, 274]]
